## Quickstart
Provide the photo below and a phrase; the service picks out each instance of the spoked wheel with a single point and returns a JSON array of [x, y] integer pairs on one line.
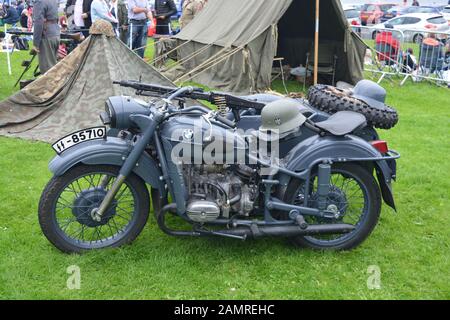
[[66, 205], [355, 199]]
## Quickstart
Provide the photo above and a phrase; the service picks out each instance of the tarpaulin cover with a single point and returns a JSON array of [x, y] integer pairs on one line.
[[265, 29], [71, 95]]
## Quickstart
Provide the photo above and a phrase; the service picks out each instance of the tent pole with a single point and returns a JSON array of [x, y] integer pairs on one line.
[[316, 43]]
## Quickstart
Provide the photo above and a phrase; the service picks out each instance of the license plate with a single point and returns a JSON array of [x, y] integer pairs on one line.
[[75, 138]]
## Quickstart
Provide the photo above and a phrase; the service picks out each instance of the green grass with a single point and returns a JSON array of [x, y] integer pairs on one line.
[[411, 247]]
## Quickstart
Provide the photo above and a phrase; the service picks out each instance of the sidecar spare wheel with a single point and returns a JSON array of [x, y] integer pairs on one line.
[[330, 99], [66, 205]]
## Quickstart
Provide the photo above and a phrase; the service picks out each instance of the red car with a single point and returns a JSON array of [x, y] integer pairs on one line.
[[372, 13]]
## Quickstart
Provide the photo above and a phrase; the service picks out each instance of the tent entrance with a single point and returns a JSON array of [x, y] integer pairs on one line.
[[296, 34]]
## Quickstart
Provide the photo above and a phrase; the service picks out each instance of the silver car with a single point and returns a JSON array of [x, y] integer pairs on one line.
[[352, 16], [416, 26]]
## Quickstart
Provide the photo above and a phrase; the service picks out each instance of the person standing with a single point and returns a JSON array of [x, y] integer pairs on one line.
[[190, 9], [113, 12], [138, 13], [46, 33], [87, 16], [415, 3], [100, 10], [78, 15], [120, 12], [164, 9], [122, 16], [68, 12]]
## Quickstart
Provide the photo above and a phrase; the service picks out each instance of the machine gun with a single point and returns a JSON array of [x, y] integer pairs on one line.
[[77, 36], [222, 100]]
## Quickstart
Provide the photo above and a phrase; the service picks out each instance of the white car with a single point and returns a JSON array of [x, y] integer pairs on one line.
[[446, 13], [416, 26]]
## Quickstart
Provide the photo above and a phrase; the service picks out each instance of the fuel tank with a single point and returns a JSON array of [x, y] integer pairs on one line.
[[195, 140]]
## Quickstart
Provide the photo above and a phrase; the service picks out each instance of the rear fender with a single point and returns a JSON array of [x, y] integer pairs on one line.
[[316, 149], [112, 151]]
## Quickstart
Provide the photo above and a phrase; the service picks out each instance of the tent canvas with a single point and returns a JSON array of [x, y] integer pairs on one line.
[[70, 96], [231, 44]]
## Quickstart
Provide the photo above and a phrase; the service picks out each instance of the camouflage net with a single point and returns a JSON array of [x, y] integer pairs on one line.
[[102, 27]]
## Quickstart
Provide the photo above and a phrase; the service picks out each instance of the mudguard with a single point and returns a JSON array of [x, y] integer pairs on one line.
[[111, 151], [341, 149]]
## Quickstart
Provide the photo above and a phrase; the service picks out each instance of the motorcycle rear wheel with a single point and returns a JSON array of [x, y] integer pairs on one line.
[[67, 200], [367, 221]]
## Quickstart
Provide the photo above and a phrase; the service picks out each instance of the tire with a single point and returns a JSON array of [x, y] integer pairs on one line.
[[364, 226], [57, 185], [330, 99]]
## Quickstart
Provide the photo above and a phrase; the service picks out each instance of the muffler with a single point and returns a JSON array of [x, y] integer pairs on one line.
[[254, 230]]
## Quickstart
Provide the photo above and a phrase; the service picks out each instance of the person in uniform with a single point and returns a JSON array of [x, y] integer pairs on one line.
[[46, 33], [164, 9], [190, 9]]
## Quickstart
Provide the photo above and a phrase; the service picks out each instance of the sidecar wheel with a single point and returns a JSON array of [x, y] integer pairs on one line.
[[359, 206], [68, 200]]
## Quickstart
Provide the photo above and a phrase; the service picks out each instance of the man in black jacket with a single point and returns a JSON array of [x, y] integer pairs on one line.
[[164, 9], [87, 16]]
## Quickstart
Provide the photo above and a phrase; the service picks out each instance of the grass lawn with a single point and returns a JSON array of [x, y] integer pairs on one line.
[[411, 248]]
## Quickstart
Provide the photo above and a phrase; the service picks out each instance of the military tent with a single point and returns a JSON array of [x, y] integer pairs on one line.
[[231, 44], [71, 95]]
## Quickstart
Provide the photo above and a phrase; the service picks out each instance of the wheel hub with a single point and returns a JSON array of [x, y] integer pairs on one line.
[[336, 202], [86, 202]]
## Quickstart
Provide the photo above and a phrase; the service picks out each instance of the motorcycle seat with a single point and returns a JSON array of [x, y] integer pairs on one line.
[[342, 123]]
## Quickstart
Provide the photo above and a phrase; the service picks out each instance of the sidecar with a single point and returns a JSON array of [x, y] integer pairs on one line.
[[305, 145], [251, 120]]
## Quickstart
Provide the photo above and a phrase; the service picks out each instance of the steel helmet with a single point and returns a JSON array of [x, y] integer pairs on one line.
[[280, 118]]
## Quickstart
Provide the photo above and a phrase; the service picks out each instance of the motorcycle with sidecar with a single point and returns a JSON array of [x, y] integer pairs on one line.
[[253, 168]]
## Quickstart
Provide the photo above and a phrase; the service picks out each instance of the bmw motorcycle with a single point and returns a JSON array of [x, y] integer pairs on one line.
[[312, 181]]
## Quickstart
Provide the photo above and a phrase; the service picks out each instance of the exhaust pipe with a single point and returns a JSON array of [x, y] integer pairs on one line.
[[255, 231]]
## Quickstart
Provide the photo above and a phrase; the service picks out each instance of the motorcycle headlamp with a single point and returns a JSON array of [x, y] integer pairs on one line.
[[118, 111]]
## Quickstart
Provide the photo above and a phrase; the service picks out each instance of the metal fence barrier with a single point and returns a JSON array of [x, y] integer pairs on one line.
[[407, 54]]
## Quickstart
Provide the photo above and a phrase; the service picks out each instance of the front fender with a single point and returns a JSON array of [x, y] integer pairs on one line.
[[341, 149], [112, 151]]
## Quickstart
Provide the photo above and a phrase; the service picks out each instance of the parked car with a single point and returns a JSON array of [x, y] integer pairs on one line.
[[415, 26], [446, 13], [372, 13], [352, 16], [400, 10]]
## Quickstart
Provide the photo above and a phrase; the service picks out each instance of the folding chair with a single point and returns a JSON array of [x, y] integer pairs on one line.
[[327, 60]]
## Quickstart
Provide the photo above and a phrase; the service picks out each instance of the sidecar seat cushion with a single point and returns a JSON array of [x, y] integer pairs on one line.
[[343, 122]]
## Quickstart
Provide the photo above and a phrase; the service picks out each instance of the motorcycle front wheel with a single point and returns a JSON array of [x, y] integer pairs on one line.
[[65, 209], [354, 195]]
